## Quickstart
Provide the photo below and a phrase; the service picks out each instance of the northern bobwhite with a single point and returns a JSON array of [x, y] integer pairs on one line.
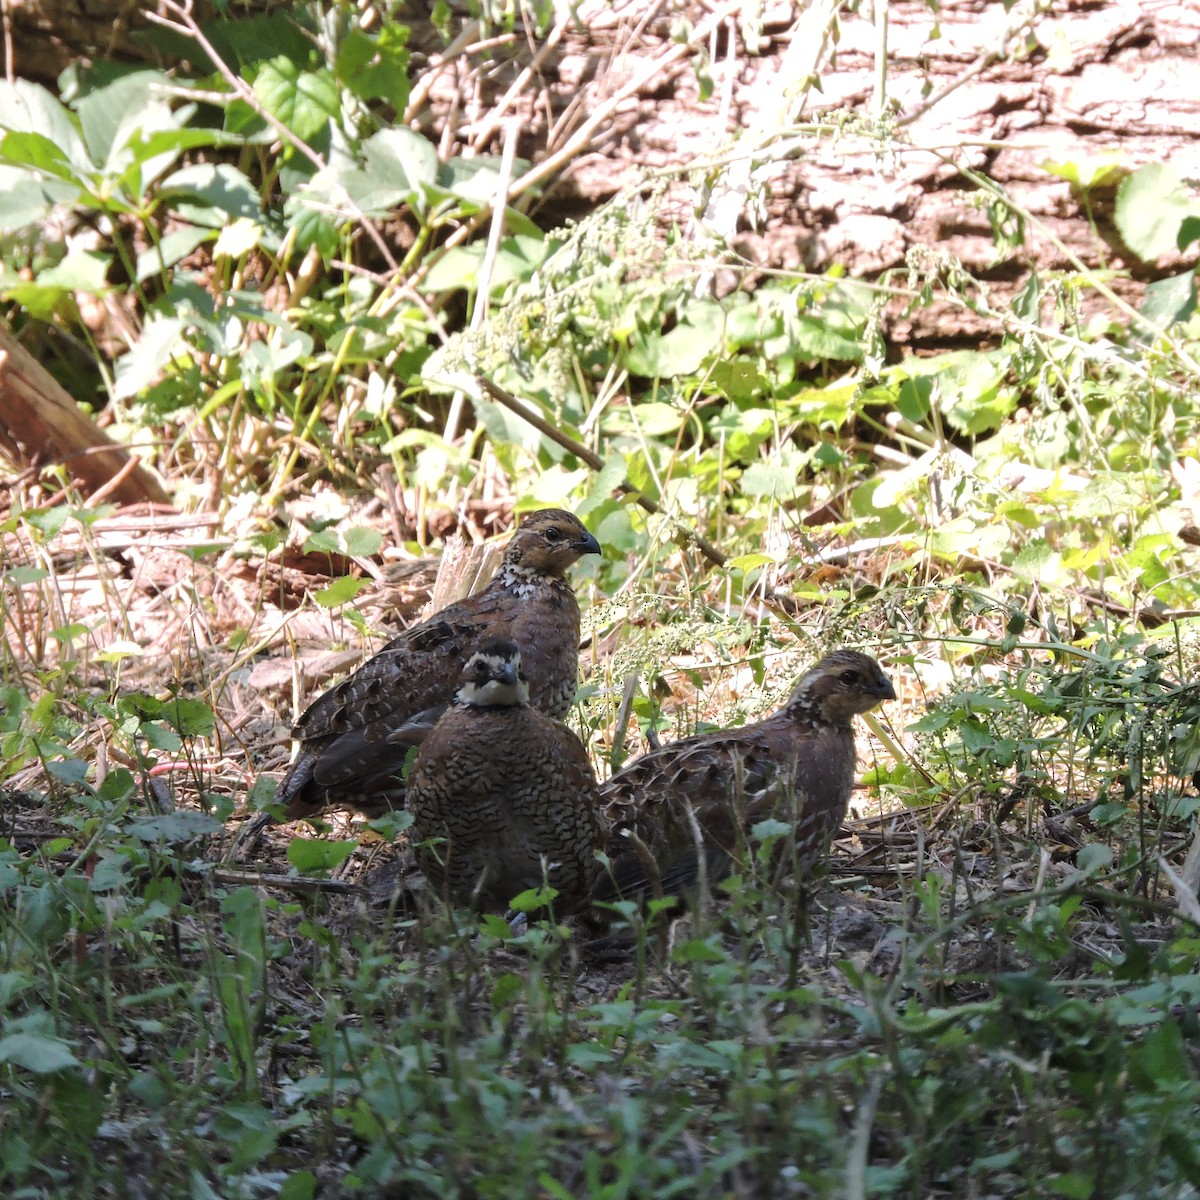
[[796, 766], [353, 738], [508, 792]]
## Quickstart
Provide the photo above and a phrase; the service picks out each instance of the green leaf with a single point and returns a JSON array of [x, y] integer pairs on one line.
[[1168, 301], [26, 200], [769, 828], [80, 271], [191, 718], [749, 562], [29, 108], [316, 854], [362, 541], [38, 152], [682, 351], [1152, 205], [219, 185], [110, 115], [299, 1185], [304, 101], [1095, 856], [1038, 562], [739, 380], [399, 165], [376, 67], [37, 1053], [173, 828], [340, 591], [532, 899], [138, 369], [177, 244]]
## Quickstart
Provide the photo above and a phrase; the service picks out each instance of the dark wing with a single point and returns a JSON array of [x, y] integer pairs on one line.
[[413, 672]]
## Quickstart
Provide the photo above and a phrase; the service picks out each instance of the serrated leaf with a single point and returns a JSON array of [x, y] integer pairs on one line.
[[769, 828], [376, 67], [304, 101]]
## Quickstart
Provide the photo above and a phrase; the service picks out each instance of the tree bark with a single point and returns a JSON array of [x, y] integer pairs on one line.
[[40, 423]]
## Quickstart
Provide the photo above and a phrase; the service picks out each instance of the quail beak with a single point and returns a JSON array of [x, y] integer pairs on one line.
[[884, 690], [587, 545], [506, 673]]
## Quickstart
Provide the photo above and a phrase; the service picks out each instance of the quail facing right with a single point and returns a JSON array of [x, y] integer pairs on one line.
[[508, 791], [696, 799]]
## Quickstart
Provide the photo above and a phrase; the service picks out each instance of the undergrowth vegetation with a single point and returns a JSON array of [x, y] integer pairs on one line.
[[281, 292]]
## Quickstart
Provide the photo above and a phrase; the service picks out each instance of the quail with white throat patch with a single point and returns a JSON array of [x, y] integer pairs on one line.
[[354, 738], [503, 797]]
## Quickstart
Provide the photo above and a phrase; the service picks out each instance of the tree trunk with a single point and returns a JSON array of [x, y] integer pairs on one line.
[[40, 423], [609, 94]]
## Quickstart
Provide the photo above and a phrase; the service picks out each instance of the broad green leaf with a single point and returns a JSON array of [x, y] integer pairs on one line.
[[237, 239], [399, 165], [740, 380], [340, 591], [220, 185], [304, 101], [103, 112], [532, 899], [681, 351], [37, 1052], [317, 854], [177, 244], [1152, 205], [192, 718], [143, 364], [1170, 300], [172, 828], [80, 271], [362, 541], [376, 67], [814, 339], [749, 562], [314, 223], [39, 153], [29, 108], [26, 200]]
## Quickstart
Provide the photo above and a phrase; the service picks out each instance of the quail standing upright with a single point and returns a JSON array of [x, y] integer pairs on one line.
[[353, 738], [695, 800], [503, 798]]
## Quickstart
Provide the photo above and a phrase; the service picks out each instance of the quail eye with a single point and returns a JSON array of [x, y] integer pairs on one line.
[[553, 534]]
